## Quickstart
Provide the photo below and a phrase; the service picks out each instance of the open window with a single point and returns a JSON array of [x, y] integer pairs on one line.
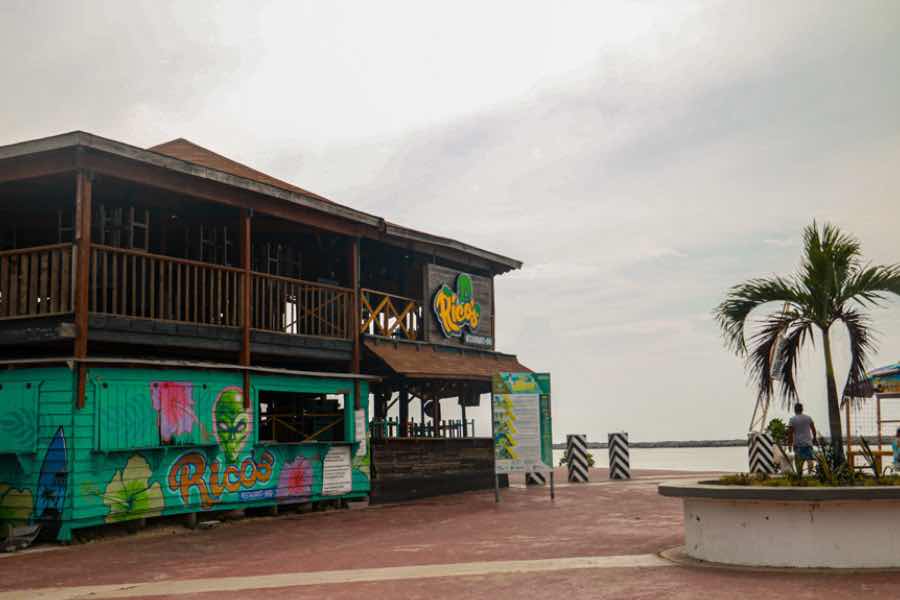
[[293, 417]]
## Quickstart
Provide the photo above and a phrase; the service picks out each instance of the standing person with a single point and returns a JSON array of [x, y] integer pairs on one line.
[[895, 446], [801, 433]]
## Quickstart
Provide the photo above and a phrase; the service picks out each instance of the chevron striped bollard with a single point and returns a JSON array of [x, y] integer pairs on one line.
[[762, 453], [619, 464], [536, 478], [576, 458]]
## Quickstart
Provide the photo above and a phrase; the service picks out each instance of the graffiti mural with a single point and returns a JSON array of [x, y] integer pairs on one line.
[[362, 465], [130, 495], [174, 402], [296, 479], [53, 480], [232, 423], [192, 472], [18, 425], [15, 504], [152, 445]]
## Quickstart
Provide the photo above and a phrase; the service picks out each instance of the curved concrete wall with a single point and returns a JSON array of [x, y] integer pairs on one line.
[[834, 533]]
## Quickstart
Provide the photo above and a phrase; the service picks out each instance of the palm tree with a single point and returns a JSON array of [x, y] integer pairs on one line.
[[833, 285]]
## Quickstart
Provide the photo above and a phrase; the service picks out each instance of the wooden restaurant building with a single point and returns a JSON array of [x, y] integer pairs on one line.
[[181, 333]]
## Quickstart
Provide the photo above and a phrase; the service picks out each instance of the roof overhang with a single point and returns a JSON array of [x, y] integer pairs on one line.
[[504, 263], [418, 360]]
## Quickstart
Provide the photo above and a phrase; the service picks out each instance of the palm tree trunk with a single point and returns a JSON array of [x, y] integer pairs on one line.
[[834, 408]]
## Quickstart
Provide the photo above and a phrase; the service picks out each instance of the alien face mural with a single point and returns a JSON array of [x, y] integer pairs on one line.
[[232, 423]]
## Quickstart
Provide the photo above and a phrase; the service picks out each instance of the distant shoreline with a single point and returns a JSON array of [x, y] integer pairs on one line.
[[668, 444], [691, 443]]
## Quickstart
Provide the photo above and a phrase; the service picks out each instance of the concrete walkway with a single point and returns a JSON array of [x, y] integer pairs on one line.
[[595, 541]]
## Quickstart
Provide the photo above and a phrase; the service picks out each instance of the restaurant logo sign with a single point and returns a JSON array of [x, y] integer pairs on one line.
[[457, 310]]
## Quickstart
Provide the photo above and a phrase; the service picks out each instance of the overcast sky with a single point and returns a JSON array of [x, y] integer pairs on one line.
[[639, 157]]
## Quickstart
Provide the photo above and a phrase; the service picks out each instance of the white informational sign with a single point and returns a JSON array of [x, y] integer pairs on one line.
[[517, 433], [360, 429], [337, 478]]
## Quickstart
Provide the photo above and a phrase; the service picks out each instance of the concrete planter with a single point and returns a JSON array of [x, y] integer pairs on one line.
[[790, 527]]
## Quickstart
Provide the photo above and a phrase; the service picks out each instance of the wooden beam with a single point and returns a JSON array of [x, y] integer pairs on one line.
[[37, 165], [83, 192], [246, 280]]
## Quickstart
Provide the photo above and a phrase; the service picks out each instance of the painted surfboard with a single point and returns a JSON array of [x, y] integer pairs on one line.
[[53, 480]]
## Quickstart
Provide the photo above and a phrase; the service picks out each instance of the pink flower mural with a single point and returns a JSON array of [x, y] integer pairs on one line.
[[174, 401], [296, 478]]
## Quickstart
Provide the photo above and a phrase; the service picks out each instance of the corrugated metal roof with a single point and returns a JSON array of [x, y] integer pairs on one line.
[[418, 361]]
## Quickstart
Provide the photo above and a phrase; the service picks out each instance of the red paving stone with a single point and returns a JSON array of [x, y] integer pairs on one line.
[[622, 518]]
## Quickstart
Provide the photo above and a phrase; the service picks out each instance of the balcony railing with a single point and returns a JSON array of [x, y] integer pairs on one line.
[[40, 281], [299, 307], [36, 282], [389, 315], [132, 283]]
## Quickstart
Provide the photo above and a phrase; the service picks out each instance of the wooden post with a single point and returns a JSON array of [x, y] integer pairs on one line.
[[353, 260], [404, 409], [436, 415], [83, 190], [246, 281], [464, 422], [380, 405]]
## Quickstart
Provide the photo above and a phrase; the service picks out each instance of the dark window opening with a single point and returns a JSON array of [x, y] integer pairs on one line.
[[291, 417]]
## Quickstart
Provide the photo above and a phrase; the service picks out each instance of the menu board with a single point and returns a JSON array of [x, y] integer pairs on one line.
[[521, 423]]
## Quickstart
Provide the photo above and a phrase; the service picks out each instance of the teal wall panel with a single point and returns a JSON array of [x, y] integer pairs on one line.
[[155, 442]]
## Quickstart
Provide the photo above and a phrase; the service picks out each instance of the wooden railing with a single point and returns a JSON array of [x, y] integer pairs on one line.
[[389, 315], [133, 283], [294, 306], [390, 428], [36, 282]]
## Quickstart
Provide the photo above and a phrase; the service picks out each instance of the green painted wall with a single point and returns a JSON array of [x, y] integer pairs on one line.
[[154, 442]]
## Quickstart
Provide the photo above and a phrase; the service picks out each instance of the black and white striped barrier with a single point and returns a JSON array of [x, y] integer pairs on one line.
[[762, 453], [619, 464], [576, 458], [536, 478]]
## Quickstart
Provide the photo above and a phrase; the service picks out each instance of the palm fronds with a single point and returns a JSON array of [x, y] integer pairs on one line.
[[831, 285]]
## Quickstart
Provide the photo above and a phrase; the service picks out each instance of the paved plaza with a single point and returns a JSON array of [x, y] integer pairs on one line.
[[599, 540]]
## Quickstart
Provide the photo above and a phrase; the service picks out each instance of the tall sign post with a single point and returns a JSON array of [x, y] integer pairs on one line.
[[522, 426]]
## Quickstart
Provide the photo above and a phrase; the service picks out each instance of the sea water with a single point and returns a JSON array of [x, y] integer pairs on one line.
[[730, 459]]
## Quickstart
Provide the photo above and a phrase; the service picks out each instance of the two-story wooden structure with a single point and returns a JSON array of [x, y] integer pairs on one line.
[[180, 332]]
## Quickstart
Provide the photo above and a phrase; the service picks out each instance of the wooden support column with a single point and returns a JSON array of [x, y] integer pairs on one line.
[[380, 408], [246, 281], [353, 260], [462, 406], [436, 415], [404, 409], [83, 190]]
